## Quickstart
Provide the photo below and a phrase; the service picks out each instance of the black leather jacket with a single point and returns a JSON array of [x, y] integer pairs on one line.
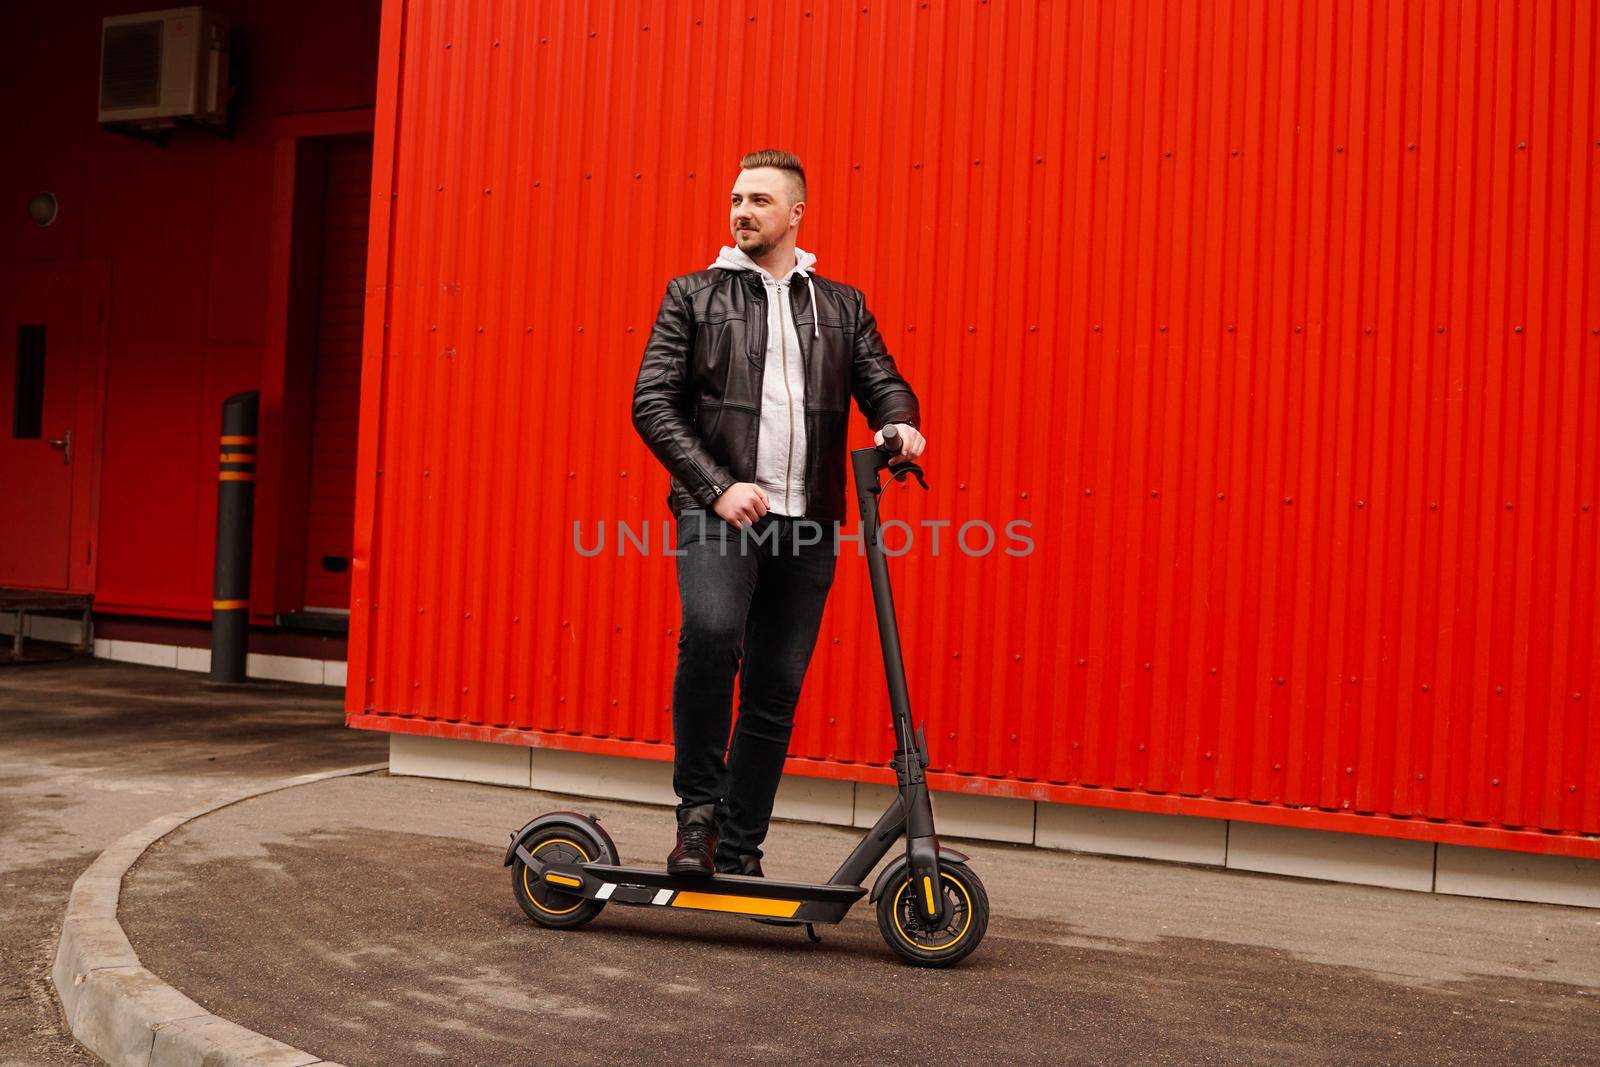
[[697, 400]]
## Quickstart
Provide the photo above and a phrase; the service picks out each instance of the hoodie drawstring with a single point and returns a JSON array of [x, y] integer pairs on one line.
[[816, 329]]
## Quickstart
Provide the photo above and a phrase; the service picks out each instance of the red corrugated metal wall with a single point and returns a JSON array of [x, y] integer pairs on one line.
[[1279, 322]]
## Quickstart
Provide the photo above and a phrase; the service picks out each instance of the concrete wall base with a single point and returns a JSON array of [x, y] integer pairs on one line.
[[1419, 866], [257, 665]]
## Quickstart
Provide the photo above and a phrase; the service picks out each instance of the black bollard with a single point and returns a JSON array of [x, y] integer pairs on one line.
[[236, 498]]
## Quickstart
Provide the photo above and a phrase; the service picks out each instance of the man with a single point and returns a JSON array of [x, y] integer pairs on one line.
[[744, 395]]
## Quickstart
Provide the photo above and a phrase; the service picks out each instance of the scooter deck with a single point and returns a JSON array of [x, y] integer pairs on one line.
[[730, 893]]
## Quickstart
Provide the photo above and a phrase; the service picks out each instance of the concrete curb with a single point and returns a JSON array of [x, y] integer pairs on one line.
[[125, 1014]]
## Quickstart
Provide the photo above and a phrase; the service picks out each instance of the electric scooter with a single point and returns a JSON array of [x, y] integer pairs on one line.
[[932, 909]]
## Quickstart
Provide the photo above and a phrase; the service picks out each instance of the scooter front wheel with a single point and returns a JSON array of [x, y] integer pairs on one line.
[[542, 902], [967, 919]]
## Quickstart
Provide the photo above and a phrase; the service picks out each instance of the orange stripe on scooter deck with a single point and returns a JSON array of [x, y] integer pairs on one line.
[[779, 909]]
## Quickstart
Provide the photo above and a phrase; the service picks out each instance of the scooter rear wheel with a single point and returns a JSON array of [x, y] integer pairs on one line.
[[967, 919], [542, 902]]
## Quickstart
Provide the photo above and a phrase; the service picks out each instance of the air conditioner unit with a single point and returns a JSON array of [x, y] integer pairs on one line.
[[162, 67]]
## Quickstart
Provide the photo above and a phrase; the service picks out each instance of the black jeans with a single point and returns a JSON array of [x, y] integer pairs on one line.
[[752, 604]]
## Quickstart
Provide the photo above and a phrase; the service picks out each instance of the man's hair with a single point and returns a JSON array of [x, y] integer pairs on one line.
[[787, 162]]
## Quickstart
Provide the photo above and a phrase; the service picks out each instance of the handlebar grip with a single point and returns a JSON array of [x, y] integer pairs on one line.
[[891, 440]]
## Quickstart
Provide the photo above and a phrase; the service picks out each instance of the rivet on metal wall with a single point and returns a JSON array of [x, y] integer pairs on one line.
[[1147, 666], [1522, 146], [1338, 148], [1102, 155], [1230, 327], [1083, 663], [1033, 329], [1235, 153], [1516, 329], [1439, 329], [1161, 329], [1095, 327], [1155, 492], [1420, 777], [1425, 687], [1208, 755], [1141, 746], [1411, 147], [1213, 670], [1354, 680], [1499, 689], [1281, 681], [1349, 770], [1088, 492], [1367, 331], [1288, 500], [972, 329], [1509, 505], [1433, 505], [1494, 781], [1023, 495], [1039, 162]]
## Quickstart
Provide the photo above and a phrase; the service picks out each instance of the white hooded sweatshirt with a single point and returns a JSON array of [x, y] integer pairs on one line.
[[781, 443]]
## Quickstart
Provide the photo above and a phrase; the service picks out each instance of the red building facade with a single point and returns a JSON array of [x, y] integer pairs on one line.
[[175, 275], [1279, 324]]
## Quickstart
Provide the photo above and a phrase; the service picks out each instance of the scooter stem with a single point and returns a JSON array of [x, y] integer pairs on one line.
[[911, 753]]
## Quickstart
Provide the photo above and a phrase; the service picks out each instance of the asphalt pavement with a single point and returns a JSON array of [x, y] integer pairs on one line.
[[369, 920]]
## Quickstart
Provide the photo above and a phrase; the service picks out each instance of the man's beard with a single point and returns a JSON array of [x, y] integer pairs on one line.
[[756, 250]]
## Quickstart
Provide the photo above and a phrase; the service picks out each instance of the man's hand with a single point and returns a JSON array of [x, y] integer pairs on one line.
[[742, 503], [912, 443]]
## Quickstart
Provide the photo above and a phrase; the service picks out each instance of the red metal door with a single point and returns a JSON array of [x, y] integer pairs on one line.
[[330, 507], [41, 340]]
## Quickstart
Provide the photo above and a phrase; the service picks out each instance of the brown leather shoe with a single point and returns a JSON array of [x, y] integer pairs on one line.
[[745, 863], [697, 842]]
